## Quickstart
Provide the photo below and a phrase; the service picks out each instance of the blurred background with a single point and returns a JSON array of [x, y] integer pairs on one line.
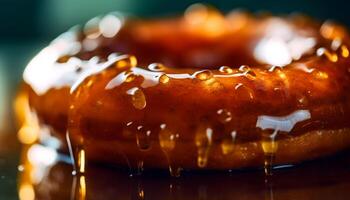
[[26, 26]]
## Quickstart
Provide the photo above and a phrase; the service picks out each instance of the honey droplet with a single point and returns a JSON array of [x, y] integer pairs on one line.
[[226, 69], [203, 140], [164, 79], [157, 67], [330, 56], [143, 138], [203, 75], [224, 115], [138, 98], [167, 139], [227, 144], [127, 61]]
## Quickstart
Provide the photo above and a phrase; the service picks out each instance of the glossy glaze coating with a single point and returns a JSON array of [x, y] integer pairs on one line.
[[201, 91]]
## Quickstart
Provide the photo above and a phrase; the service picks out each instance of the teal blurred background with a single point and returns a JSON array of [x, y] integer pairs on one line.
[[28, 25]]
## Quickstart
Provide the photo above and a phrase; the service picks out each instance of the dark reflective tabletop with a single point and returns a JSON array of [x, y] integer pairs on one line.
[[45, 174]]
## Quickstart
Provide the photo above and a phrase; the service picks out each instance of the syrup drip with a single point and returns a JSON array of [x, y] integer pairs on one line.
[[138, 98], [227, 144], [167, 141], [286, 124], [269, 146], [143, 138], [203, 140]]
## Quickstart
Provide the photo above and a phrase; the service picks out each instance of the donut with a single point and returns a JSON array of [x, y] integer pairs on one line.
[[203, 91]]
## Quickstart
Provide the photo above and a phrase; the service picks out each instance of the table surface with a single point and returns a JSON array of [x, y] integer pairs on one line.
[[322, 179]]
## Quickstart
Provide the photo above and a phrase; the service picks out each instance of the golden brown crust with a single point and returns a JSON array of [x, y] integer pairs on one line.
[[113, 105]]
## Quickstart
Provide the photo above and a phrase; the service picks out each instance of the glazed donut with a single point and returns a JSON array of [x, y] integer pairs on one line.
[[204, 91]]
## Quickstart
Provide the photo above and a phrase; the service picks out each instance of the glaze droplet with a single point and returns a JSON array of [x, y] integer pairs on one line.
[[226, 69], [138, 98], [203, 140], [203, 75]]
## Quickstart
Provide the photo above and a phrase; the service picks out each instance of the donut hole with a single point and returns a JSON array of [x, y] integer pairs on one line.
[[180, 49], [270, 41]]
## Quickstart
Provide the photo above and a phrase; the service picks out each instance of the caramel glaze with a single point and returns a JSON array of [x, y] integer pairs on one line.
[[189, 112]]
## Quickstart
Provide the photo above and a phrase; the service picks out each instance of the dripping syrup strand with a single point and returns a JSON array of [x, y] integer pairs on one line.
[[269, 146]]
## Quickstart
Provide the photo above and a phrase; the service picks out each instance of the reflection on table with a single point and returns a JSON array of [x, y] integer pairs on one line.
[[46, 174]]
